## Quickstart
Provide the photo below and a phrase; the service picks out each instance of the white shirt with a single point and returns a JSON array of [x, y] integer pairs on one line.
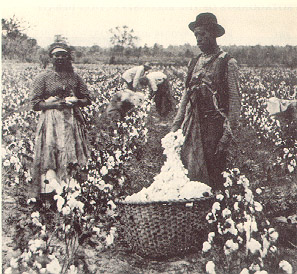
[[155, 78], [133, 75], [276, 105]]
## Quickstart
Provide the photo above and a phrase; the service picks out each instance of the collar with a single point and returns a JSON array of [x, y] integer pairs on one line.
[[216, 50]]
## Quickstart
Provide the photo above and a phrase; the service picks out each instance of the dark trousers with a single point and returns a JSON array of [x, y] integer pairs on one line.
[[163, 99], [211, 133]]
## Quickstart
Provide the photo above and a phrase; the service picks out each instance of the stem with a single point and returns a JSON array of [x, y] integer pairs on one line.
[[292, 244], [49, 240], [75, 247]]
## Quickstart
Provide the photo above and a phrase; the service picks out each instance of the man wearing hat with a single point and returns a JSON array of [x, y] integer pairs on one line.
[[131, 76], [210, 106]]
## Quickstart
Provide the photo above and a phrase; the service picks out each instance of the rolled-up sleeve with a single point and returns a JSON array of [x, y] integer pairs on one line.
[[234, 93]]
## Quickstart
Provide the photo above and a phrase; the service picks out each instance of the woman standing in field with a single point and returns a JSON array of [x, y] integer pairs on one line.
[[60, 136]]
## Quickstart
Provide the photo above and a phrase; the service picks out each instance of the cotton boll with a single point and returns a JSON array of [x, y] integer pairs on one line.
[[258, 206], [253, 246], [286, 267], [226, 212], [172, 182], [210, 267], [206, 247], [210, 237], [215, 207], [244, 271]]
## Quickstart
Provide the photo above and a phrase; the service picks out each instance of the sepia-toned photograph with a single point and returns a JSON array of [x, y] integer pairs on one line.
[[149, 137]]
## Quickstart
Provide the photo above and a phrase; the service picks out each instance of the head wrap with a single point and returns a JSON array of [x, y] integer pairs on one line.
[[57, 50], [55, 47]]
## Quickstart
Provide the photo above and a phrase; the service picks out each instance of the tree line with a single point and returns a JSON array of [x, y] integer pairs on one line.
[[17, 46]]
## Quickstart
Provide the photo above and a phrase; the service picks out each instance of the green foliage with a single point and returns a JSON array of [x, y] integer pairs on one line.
[[123, 37], [15, 43], [59, 38], [111, 173]]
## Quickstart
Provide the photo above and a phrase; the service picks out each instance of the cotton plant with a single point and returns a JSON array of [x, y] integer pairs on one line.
[[116, 143], [79, 202], [240, 233], [40, 254], [268, 128], [289, 155], [172, 182], [53, 238], [255, 88]]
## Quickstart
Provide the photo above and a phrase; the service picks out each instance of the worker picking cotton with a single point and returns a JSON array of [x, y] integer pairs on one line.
[[159, 91]]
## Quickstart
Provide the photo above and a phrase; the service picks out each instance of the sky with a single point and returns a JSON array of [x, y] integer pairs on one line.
[[87, 22]]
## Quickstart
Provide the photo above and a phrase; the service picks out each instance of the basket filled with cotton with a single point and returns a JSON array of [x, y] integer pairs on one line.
[[168, 217]]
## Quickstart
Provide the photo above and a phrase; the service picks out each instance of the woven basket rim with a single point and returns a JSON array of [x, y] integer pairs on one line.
[[179, 201]]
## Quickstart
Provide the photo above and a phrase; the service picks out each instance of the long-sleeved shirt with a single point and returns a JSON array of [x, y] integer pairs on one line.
[[133, 75], [155, 78]]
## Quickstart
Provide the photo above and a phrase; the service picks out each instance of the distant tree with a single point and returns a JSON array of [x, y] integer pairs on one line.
[[137, 52], [79, 54], [146, 50], [43, 58], [122, 38], [188, 53], [60, 38], [157, 49], [94, 48], [13, 28], [15, 43]]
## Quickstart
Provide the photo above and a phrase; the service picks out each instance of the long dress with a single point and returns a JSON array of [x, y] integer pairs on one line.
[[60, 136], [208, 112]]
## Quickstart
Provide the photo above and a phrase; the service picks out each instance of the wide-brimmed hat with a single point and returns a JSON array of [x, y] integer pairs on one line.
[[59, 46], [209, 19]]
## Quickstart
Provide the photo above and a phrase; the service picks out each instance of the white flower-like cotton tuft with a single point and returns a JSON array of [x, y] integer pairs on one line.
[[172, 182]]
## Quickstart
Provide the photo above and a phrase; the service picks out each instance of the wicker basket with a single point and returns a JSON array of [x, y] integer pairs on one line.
[[164, 229]]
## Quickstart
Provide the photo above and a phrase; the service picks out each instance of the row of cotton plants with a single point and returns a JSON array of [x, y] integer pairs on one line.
[[55, 237], [241, 238], [48, 240], [257, 85]]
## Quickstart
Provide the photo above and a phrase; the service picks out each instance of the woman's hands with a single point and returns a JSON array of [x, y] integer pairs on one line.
[[51, 99], [55, 102], [71, 101], [52, 102]]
